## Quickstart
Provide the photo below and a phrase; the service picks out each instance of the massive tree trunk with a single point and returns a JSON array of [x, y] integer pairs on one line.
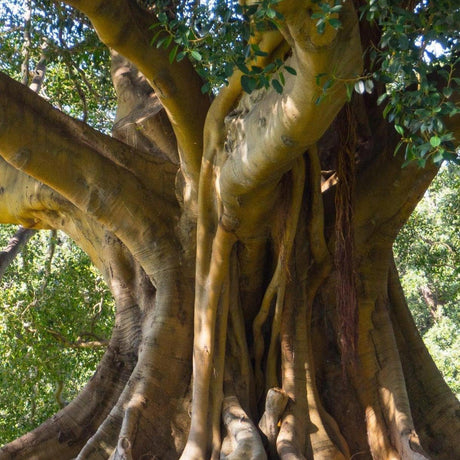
[[250, 235]]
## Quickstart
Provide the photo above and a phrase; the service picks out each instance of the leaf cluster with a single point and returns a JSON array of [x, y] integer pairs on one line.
[[416, 61], [327, 15], [216, 37]]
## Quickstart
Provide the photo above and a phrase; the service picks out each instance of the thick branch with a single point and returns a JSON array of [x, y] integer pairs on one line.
[[278, 128], [399, 189], [46, 144], [141, 120], [123, 26]]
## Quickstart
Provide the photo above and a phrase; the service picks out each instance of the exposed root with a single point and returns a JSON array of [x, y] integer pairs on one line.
[[322, 443], [287, 445], [244, 436], [259, 343], [347, 300], [365, 376], [275, 404], [239, 354], [123, 450], [292, 439], [315, 229], [219, 363], [271, 377]]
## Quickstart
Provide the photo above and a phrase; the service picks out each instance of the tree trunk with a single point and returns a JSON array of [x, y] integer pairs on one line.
[[269, 267]]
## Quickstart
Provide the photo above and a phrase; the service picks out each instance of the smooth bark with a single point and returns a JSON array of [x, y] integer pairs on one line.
[[214, 225]]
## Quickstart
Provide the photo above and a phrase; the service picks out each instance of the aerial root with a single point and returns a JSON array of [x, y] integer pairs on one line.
[[209, 296], [243, 434], [219, 361], [277, 285]]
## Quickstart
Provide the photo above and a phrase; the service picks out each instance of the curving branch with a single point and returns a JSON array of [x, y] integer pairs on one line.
[[83, 166], [124, 26], [279, 127]]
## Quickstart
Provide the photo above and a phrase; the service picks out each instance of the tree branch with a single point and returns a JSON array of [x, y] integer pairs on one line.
[[123, 26], [279, 127], [91, 170], [386, 182], [141, 120], [60, 151], [16, 243]]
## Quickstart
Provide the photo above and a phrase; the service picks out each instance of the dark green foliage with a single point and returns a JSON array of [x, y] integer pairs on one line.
[[416, 60], [216, 37]]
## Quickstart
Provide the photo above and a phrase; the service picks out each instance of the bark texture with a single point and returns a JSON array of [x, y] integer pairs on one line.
[[247, 241]]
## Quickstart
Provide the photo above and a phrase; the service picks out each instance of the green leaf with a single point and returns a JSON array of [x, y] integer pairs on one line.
[[248, 83], [180, 56], [387, 110], [242, 66], [277, 85], [398, 147], [399, 129], [435, 141], [195, 55], [205, 88], [319, 76], [155, 37], [327, 84], [381, 98], [438, 157], [317, 15], [349, 88], [291, 70], [335, 23], [447, 92], [321, 27], [282, 79], [173, 54], [162, 40], [256, 69], [421, 162], [257, 51]]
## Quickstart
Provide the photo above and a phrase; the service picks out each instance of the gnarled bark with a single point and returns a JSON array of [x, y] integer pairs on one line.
[[213, 225]]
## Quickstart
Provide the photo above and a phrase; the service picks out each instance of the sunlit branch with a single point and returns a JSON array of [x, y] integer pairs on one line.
[[279, 127], [123, 26], [46, 144]]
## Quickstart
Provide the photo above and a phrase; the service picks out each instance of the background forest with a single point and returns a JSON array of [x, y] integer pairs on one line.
[[55, 312]]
